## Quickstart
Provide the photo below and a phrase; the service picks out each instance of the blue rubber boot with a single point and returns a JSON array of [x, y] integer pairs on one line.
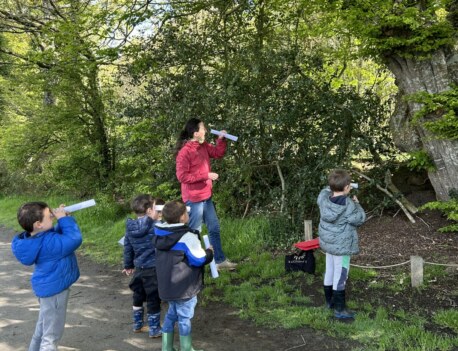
[[154, 323], [137, 316], [340, 310], [328, 296]]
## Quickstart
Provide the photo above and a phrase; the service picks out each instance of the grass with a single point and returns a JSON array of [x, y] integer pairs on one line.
[[448, 319], [273, 302], [262, 291]]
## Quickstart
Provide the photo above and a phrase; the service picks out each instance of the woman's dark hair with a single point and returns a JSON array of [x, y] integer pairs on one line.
[[191, 126]]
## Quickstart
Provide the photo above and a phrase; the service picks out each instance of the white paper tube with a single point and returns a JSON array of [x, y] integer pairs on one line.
[[121, 241], [228, 136], [213, 268], [161, 207], [80, 206]]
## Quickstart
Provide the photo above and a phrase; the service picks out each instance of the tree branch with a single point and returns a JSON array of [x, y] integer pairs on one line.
[[38, 63], [403, 208]]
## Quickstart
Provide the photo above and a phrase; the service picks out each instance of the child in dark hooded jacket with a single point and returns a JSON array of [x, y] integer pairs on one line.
[[140, 261], [180, 267]]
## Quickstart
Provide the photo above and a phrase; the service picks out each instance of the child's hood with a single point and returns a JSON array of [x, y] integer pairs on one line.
[[26, 247], [167, 235], [139, 227], [329, 211]]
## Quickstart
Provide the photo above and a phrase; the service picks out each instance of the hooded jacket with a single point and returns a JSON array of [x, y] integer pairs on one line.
[[180, 261], [53, 253], [193, 166], [338, 223], [139, 249]]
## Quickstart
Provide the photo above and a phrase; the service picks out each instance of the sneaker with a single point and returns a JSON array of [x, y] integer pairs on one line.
[[226, 265], [344, 314]]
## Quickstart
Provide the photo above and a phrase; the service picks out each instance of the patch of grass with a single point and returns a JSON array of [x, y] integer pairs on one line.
[[265, 294], [447, 318], [242, 238], [433, 272], [362, 274]]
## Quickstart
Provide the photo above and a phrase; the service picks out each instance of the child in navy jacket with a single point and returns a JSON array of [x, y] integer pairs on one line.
[[140, 261], [52, 251]]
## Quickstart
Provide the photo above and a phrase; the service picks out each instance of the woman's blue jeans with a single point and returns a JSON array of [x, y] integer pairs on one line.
[[205, 212], [180, 311]]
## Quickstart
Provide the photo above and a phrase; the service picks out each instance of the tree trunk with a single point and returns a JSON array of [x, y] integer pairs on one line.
[[433, 75], [99, 131]]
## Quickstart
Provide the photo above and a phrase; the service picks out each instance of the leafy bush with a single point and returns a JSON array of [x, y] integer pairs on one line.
[[420, 160], [449, 208]]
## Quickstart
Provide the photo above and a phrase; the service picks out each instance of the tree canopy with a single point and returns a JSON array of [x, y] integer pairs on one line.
[[95, 93]]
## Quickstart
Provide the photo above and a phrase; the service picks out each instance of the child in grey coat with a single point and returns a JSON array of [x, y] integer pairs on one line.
[[340, 215]]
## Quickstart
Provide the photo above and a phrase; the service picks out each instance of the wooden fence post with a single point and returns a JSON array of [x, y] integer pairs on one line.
[[308, 230], [416, 275]]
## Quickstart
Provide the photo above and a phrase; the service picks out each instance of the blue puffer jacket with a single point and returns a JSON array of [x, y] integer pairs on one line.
[[338, 223], [139, 249], [53, 253]]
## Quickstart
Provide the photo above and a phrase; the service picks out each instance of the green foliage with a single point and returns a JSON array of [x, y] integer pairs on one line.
[[449, 208], [412, 29], [60, 127], [420, 160], [250, 74], [444, 104], [280, 233], [114, 111]]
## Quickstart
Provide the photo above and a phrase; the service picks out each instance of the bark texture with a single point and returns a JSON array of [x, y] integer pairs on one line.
[[433, 75]]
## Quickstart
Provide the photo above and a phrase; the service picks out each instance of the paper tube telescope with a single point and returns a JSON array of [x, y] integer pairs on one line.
[[213, 269], [160, 207], [228, 136], [79, 206]]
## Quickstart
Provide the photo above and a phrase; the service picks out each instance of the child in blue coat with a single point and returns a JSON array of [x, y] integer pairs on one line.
[[52, 251]]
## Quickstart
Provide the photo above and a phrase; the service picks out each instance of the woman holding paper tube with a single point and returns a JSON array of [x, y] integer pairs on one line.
[[194, 173]]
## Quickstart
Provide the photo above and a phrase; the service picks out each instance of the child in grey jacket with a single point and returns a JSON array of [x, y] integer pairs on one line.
[[340, 215]]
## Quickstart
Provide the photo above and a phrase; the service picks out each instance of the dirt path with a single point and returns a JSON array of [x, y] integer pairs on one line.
[[98, 317]]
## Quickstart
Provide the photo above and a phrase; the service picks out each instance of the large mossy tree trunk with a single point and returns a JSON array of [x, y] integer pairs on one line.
[[433, 75]]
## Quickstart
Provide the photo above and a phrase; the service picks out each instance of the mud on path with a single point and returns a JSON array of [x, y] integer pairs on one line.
[[98, 316]]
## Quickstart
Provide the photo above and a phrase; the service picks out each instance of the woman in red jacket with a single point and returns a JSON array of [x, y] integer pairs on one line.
[[194, 173]]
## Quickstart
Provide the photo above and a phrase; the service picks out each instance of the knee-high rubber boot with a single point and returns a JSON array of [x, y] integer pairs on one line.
[[328, 296], [186, 343], [154, 324], [137, 316], [340, 310], [167, 342]]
